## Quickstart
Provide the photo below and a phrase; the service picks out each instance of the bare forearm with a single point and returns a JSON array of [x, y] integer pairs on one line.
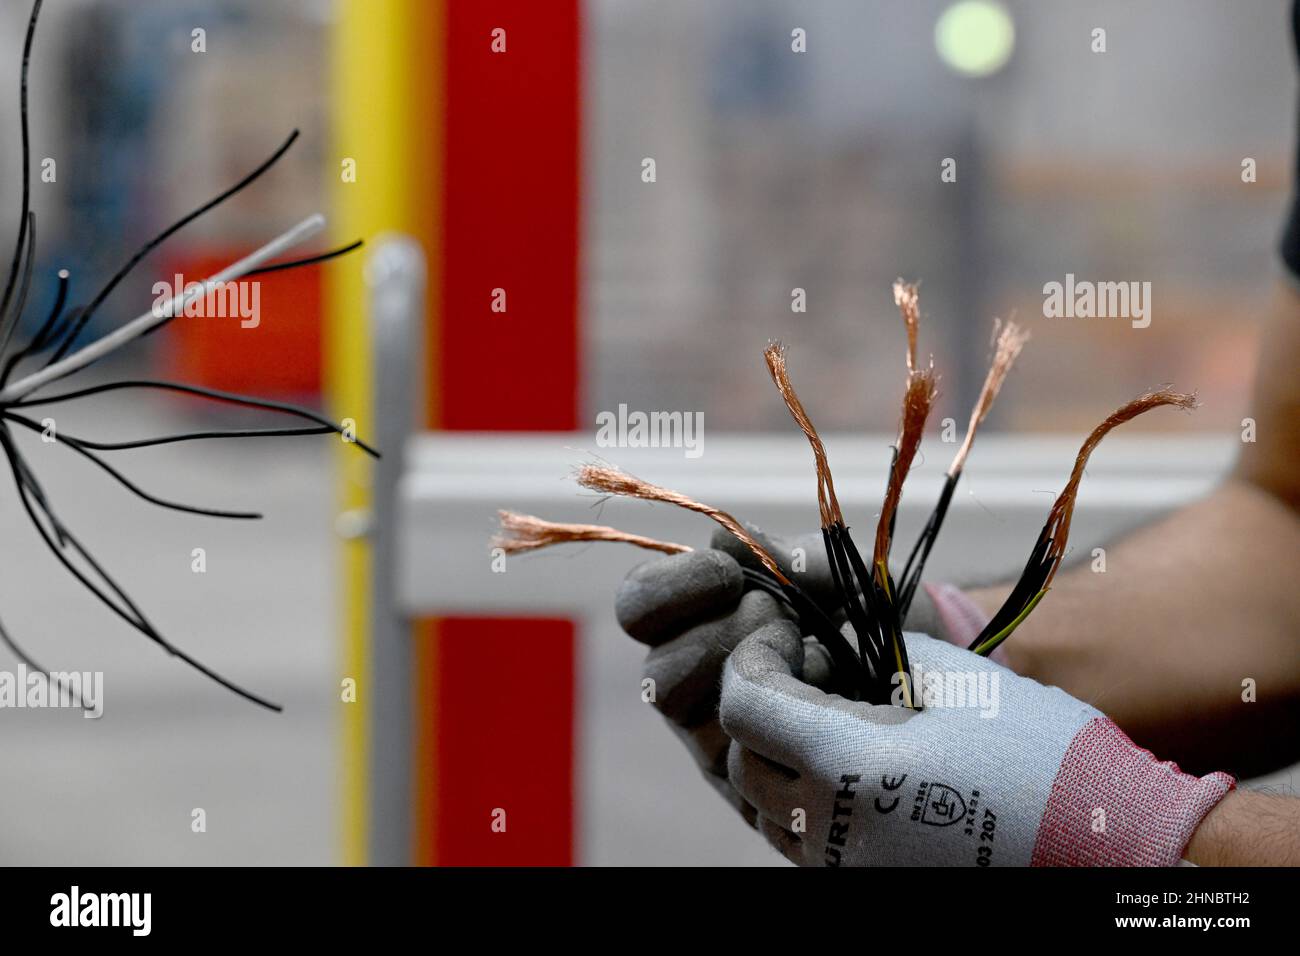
[[1271, 461], [1188, 609], [1196, 605], [1248, 829]]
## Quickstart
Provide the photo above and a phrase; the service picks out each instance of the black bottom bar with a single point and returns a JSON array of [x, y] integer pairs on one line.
[[969, 909]]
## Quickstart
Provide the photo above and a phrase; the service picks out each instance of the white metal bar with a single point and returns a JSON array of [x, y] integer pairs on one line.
[[395, 279], [155, 317]]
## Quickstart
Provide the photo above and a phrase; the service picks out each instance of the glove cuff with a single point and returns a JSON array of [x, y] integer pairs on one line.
[[1115, 804]]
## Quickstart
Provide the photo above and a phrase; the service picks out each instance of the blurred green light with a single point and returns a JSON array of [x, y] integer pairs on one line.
[[975, 37]]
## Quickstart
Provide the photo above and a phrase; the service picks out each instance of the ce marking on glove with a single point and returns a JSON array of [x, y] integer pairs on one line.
[[890, 784]]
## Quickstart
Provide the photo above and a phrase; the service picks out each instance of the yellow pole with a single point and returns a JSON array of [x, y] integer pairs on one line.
[[385, 163]]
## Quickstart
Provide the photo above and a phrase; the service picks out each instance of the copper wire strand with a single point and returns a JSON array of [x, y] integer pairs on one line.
[[1058, 520], [521, 532], [612, 481], [827, 503], [907, 298], [1009, 339], [917, 402]]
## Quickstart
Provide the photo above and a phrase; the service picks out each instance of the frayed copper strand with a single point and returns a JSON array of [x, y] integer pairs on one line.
[[907, 298], [1058, 521], [916, 409], [827, 503], [612, 481], [1008, 341], [520, 532]]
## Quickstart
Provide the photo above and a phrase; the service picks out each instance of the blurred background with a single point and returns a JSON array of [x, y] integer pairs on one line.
[[822, 171], [775, 170]]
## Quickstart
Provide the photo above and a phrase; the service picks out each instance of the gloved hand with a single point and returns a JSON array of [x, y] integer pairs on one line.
[[692, 610], [1023, 774]]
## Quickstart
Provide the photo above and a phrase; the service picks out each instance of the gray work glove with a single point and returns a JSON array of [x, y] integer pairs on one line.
[[996, 770], [692, 610]]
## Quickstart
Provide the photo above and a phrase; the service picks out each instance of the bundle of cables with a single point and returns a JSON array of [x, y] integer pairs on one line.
[[873, 667], [50, 357]]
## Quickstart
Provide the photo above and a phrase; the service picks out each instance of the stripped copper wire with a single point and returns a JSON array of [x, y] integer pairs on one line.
[[827, 503], [917, 402], [847, 663], [866, 601], [1009, 340], [1058, 521], [878, 666], [1049, 550], [521, 532], [907, 298], [612, 481]]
